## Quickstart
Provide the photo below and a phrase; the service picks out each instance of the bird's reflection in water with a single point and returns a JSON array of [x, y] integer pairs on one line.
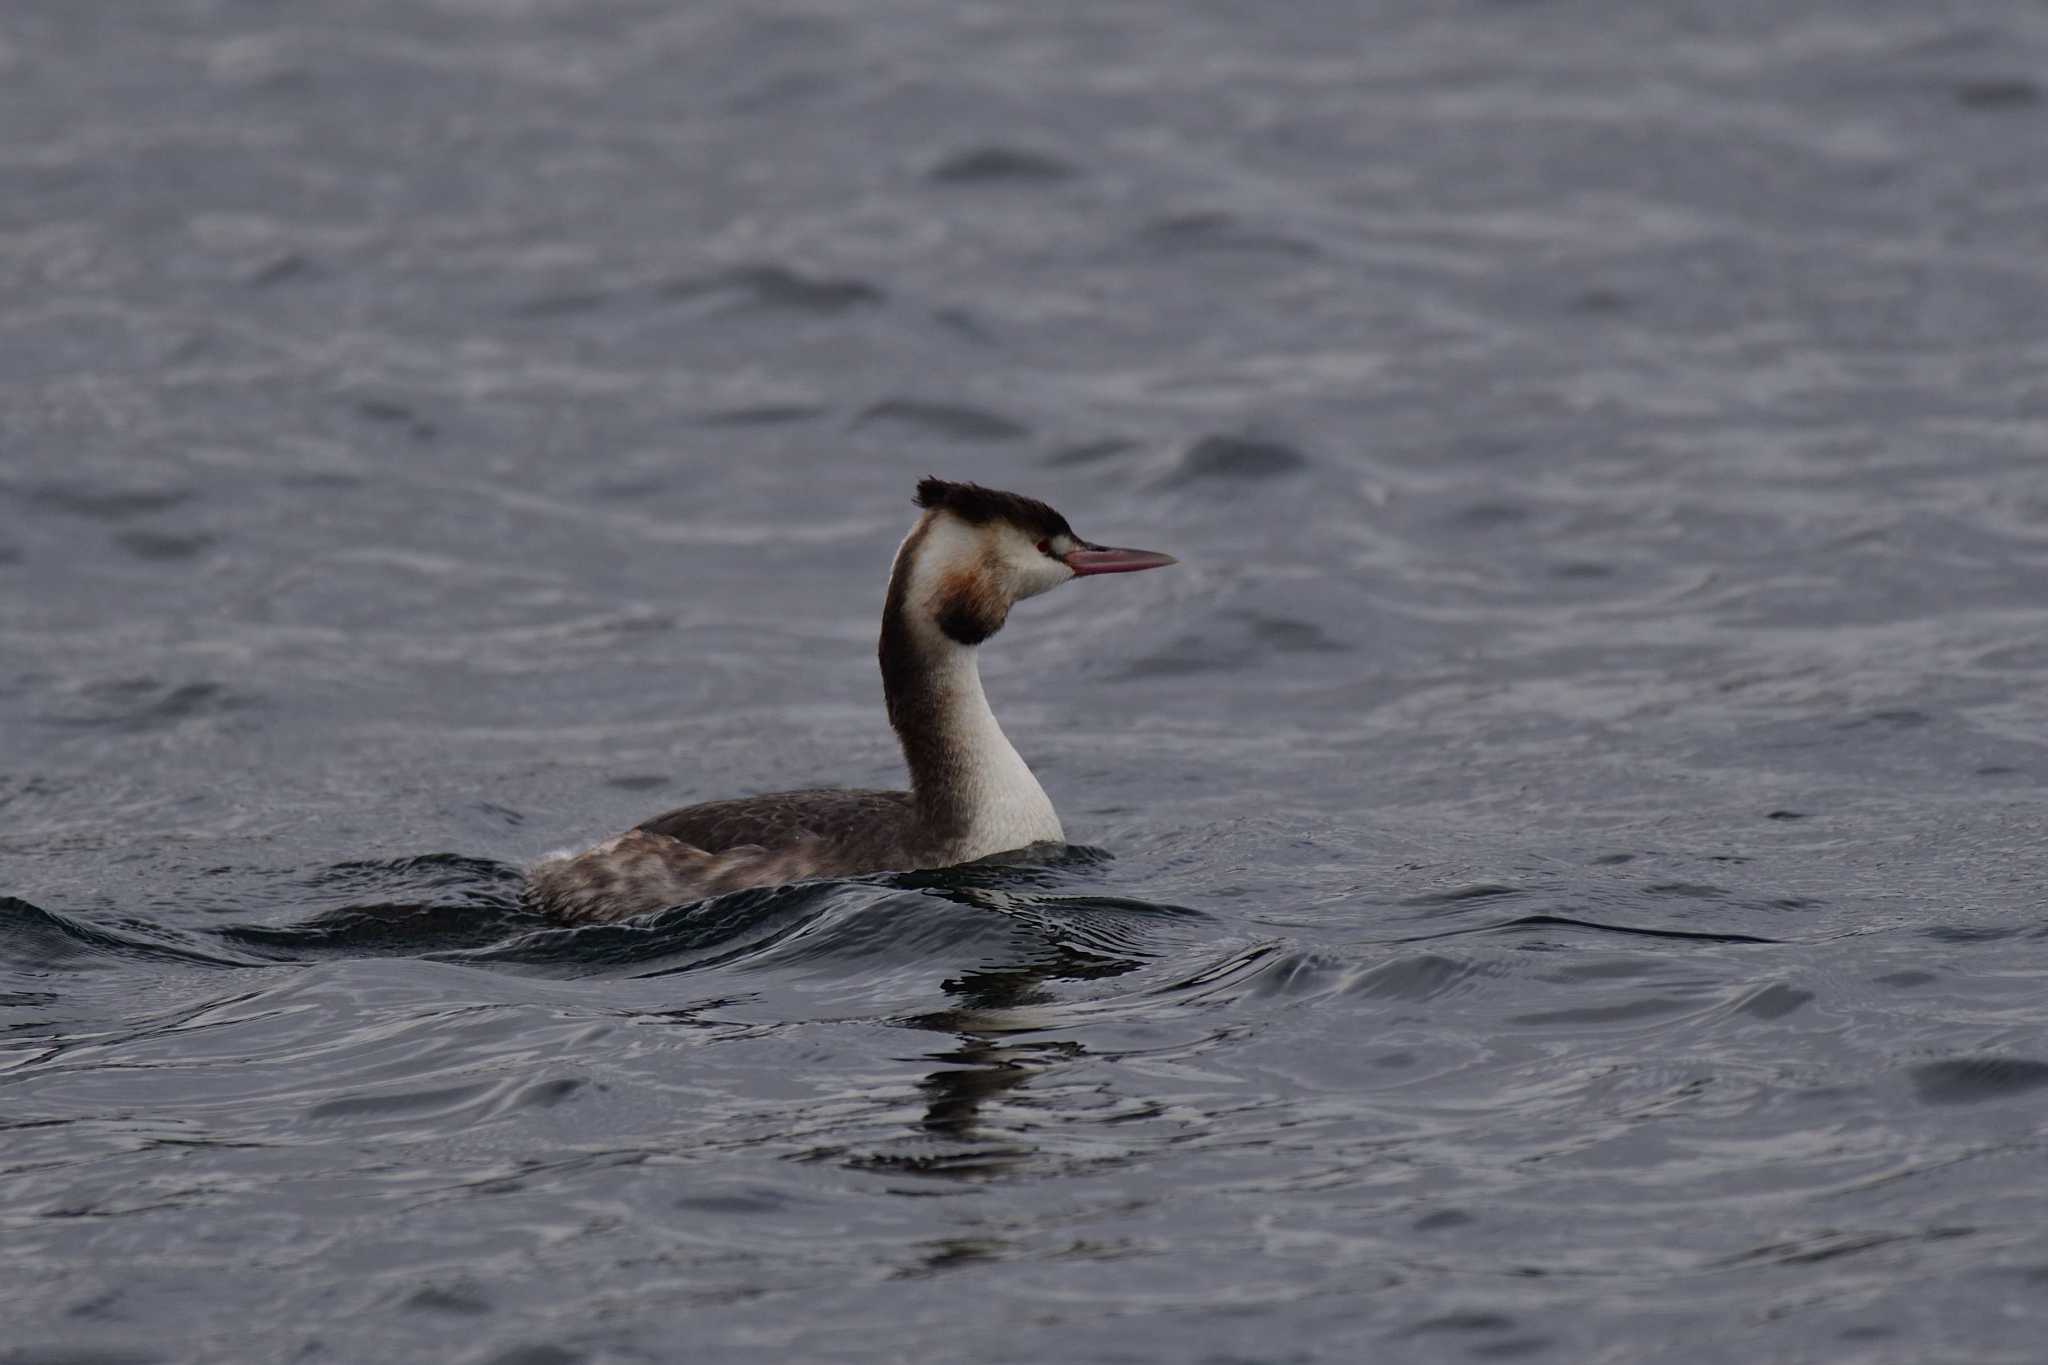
[[962, 1097]]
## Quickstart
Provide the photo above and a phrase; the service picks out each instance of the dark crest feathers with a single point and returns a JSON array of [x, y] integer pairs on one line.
[[973, 503]]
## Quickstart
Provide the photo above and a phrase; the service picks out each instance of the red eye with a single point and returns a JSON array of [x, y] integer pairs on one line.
[[1045, 547]]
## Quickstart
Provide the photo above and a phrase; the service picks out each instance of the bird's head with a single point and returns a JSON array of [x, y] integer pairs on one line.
[[977, 551]]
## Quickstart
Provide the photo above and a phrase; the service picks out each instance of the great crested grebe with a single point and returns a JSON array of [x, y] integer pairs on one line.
[[973, 553]]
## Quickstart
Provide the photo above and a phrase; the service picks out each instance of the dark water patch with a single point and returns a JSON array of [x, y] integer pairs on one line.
[[1701, 891], [98, 503], [1970, 933], [1581, 570], [1284, 636], [1775, 1002], [81, 1355], [966, 324], [1995, 770], [1233, 459], [768, 288], [1443, 1219], [1465, 1321], [763, 415], [325, 480], [1835, 1245], [548, 1094], [141, 705], [1786, 815], [1998, 93], [164, 546], [1000, 165], [638, 782], [740, 1203], [1894, 718], [948, 421], [1189, 654], [1613, 859], [1220, 231], [465, 1301], [1092, 452], [628, 487], [1977, 1080], [1601, 302], [282, 269], [390, 412], [537, 1353], [437, 1100], [9, 555], [1489, 516], [1487, 447], [25, 999], [566, 303]]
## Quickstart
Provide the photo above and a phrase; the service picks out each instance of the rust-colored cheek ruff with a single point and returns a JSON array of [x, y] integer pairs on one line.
[[968, 608]]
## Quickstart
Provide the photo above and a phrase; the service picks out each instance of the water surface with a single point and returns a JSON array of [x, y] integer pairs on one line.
[[1559, 865]]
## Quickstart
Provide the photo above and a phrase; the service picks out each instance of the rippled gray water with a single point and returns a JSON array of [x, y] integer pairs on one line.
[[1561, 864]]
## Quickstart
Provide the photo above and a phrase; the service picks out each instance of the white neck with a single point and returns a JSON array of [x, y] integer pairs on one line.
[[975, 795], [1001, 802]]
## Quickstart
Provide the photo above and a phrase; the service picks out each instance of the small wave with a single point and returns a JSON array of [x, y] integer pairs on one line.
[[37, 940], [864, 926], [1459, 895], [1000, 165], [1216, 231], [140, 705], [1233, 460], [700, 935], [770, 288], [1525, 922], [1974, 1080], [406, 929], [948, 421], [991, 933]]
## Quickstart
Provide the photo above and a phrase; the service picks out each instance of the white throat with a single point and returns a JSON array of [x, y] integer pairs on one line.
[[1004, 805]]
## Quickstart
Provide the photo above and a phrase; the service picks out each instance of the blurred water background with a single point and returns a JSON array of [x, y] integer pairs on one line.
[[1560, 865]]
